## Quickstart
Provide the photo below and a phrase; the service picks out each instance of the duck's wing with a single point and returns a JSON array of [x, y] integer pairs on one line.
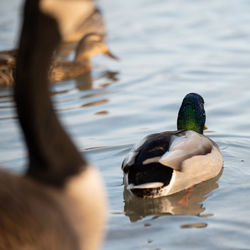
[[130, 158], [149, 150], [183, 146]]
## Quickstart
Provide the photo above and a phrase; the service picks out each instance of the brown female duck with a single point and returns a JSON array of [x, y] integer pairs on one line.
[[90, 45]]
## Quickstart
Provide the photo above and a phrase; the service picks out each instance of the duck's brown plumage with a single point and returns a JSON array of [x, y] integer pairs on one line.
[[60, 69]]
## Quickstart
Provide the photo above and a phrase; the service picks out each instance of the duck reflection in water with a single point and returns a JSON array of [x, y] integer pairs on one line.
[[86, 81], [187, 202]]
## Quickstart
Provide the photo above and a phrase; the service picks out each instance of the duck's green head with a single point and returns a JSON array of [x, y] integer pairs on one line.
[[192, 114]]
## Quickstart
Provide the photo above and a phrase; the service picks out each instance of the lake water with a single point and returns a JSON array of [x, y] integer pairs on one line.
[[167, 49]]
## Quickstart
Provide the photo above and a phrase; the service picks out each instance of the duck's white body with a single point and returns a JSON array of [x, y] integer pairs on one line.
[[189, 158]]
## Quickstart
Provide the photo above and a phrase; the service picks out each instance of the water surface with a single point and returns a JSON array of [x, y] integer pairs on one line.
[[167, 49]]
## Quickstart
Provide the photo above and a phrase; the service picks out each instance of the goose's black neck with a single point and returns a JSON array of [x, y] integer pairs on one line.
[[52, 156]]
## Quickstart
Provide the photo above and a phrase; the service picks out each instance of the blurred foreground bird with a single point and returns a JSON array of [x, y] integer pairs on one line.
[[51, 206]]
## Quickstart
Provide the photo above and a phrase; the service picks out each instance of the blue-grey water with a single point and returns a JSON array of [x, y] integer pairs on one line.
[[167, 49]]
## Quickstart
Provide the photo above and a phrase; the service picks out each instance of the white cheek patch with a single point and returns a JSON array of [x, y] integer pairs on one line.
[[68, 13]]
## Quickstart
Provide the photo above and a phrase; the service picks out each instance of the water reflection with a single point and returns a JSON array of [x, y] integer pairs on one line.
[[111, 75], [86, 81], [187, 202], [85, 91], [98, 102], [6, 106], [194, 225], [103, 112]]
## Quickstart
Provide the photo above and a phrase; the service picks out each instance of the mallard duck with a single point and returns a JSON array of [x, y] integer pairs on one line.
[[89, 46], [168, 162], [51, 206]]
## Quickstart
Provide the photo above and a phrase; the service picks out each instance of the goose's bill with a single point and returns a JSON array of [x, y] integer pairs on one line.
[[111, 55], [205, 127]]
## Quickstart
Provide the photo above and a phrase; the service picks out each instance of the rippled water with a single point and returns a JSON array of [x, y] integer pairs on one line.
[[167, 49]]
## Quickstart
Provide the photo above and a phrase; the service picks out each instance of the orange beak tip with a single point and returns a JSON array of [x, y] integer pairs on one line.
[[111, 55]]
